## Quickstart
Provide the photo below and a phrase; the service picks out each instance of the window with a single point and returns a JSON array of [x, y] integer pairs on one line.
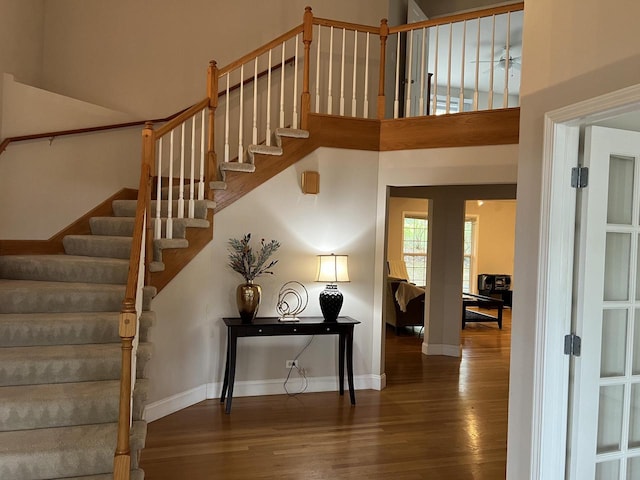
[[414, 246], [468, 265]]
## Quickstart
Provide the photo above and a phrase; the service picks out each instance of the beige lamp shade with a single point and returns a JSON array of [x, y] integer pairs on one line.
[[332, 268]]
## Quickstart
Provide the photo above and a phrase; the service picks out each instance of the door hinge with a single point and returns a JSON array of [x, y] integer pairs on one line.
[[572, 345], [579, 177]]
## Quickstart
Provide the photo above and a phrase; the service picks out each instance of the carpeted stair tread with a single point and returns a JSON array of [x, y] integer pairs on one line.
[[32, 329], [252, 150], [29, 296], [135, 475], [218, 185], [292, 133], [64, 268], [127, 208], [123, 226], [66, 363], [65, 404], [237, 167], [111, 246], [64, 451]]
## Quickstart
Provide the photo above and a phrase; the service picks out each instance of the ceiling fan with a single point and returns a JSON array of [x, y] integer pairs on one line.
[[502, 63]]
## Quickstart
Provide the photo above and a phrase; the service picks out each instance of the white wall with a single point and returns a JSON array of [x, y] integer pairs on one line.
[[573, 50], [190, 341], [151, 58]]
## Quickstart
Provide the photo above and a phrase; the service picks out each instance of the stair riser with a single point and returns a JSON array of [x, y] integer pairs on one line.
[[123, 226], [104, 364], [75, 330], [70, 407], [64, 271], [63, 299]]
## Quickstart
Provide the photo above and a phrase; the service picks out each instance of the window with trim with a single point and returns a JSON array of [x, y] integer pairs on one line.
[[414, 246], [469, 252]]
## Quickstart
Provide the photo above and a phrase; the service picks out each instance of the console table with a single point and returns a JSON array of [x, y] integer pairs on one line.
[[271, 326]]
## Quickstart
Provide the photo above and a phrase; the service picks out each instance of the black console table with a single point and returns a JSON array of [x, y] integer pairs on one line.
[[271, 326], [470, 300]]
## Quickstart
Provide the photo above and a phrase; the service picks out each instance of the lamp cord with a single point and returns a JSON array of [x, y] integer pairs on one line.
[[301, 372]]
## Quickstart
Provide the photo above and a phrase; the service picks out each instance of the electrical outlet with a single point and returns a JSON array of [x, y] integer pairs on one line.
[[291, 363]]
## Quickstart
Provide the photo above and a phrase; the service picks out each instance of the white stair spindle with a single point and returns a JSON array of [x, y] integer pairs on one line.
[[366, 80], [181, 185], [169, 232], [342, 73], [226, 123], [507, 63], [464, 43], [202, 154], [157, 231], [192, 185], [329, 93], [423, 72], [318, 70], [353, 81], [254, 130], [448, 105], [268, 130], [294, 116], [407, 92], [282, 71], [241, 117], [476, 87], [435, 72], [396, 98], [493, 48]]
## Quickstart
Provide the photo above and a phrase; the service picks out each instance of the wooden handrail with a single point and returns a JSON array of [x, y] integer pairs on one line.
[[187, 114], [487, 12], [259, 51], [325, 22]]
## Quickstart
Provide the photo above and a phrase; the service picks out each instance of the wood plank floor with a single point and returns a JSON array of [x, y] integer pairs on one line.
[[440, 418]]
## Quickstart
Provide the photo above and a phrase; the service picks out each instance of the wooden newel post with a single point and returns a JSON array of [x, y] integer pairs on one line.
[[307, 37], [149, 169], [211, 167], [127, 331], [384, 33]]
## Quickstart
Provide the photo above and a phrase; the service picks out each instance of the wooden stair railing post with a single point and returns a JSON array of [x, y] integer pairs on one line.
[[127, 331], [148, 159], [384, 33], [211, 167], [307, 37]]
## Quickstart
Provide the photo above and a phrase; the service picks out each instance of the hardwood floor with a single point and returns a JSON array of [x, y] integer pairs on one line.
[[439, 418]]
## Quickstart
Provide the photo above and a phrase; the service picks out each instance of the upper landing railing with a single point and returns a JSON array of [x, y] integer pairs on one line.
[[449, 65]]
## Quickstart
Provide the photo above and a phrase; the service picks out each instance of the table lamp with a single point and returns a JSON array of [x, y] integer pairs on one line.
[[331, 269]]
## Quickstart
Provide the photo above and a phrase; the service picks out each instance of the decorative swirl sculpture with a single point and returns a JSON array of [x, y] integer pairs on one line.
[[292, 300]]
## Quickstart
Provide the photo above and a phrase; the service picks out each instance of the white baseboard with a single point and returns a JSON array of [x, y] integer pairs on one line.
[[179, 401], [442, 349], [174, 403]]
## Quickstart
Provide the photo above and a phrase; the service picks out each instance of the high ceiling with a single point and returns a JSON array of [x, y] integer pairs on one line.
[[439, 8]]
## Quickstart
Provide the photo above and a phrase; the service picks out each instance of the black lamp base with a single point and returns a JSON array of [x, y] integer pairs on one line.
[[330, 303]]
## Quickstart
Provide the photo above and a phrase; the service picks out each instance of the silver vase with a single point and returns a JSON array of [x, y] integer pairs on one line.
[[248, 300]]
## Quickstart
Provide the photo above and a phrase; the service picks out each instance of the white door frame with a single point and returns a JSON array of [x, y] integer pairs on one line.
[[555, 267]]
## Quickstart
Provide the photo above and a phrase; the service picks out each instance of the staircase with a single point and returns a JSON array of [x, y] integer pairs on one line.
[[60, 351]]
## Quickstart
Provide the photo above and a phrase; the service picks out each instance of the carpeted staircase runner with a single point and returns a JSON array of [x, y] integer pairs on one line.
[[60, 352]]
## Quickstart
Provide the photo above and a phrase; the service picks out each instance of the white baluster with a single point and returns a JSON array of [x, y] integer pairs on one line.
[[464, 43], [342, 74], [396, 100], [241, 117], [254, 134], [435, 72], [318, 70], [202, 154], [329, 92], [476, 87], [423, 72], [192, 204], [407, 93], [294, 116], [282, 88], [448, 105], [366, 80], [353, 81], [507, 63], [226, 123], [493, 47], [181, 185], [169, 232], [157, 231], [268, 130]]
